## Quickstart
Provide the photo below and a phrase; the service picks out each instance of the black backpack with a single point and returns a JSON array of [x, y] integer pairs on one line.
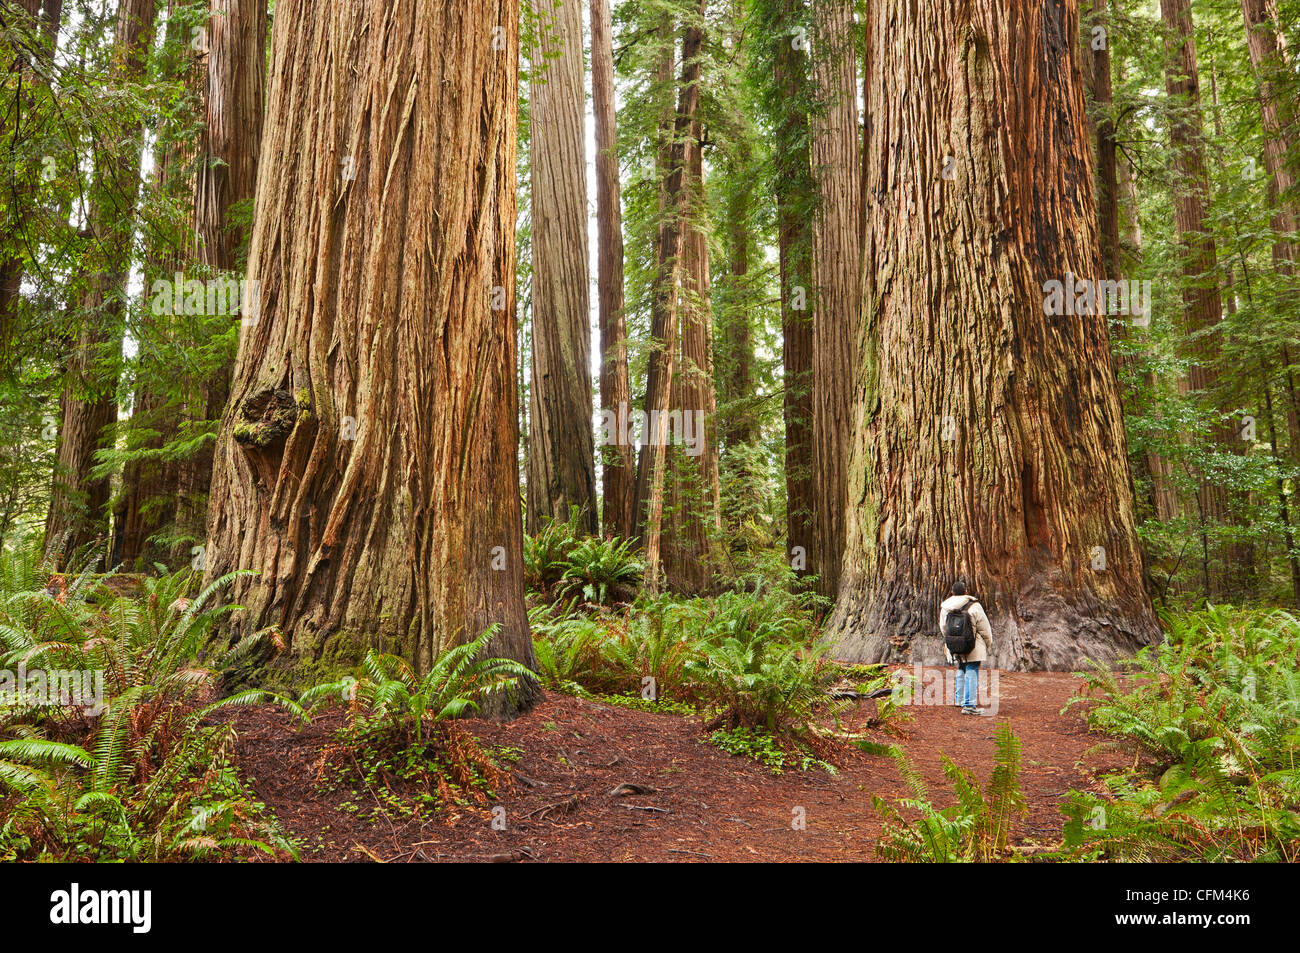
[[958, 631]]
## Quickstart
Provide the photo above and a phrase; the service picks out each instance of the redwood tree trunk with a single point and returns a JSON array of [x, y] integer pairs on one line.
[[147, 502], [1269, 59], [365, 467], [664, 308], [561, 464], [1164, 501], [794, 250], [694, 488], [836, 249], [1034, 481], [618, 468]]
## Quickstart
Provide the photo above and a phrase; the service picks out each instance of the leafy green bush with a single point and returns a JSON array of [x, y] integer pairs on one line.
[[759, 682], [546, 556], [567, 647]]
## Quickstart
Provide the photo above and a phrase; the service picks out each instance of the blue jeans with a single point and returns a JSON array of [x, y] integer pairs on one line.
[[967, 689]]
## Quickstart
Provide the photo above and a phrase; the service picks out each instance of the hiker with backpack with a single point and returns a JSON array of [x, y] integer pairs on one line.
[[967, 641]]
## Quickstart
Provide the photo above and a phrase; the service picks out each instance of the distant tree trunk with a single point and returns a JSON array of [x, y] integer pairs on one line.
[[234, 99], [1097, 75], [836, 166], [561, 461], [618, 458], [737, 371], [1226, 568], [694, 488], [1164, 496], [794, 250], [1097, 83], [88, 406], [147, 500], [991, 443], [664, 308], [365, 468]]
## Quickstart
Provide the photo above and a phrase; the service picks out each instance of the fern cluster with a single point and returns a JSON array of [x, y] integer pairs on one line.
[[745, 661], [977, 828], [559, 564], [146, 773], [1213, 717], [399, 746]]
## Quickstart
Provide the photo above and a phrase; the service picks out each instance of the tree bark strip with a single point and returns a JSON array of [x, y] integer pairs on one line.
[[561, 461], [836, 165], [618, 471]]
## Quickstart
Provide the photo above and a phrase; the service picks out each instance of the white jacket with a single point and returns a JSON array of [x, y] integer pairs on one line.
[[983, 631]]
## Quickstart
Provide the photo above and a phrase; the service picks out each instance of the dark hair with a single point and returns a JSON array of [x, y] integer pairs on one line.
[[959, 587]]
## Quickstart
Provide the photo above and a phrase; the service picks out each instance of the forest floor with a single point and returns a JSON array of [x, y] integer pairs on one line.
[[698, 803]]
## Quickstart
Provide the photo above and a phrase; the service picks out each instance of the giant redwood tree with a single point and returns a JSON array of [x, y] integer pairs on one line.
[[365, 468], [988, 440]]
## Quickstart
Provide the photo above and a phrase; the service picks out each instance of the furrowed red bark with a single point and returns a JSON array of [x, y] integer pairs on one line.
[[365, 468], [561, 462], [1033, 487], [836, 166]]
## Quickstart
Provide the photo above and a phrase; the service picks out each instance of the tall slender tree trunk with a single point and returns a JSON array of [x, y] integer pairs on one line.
[[77, 514], [1098, 85], [1226, 564], [991, 442], [618, 468], [836, 165], [365, 468], [1097, 76], [694, 487], [665, 306], [1164, 495], [735, 336], [794, 251], [561, 461], [147, 501]]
